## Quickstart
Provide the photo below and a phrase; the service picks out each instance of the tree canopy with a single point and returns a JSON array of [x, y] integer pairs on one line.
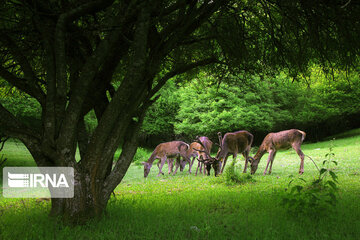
[[113, 57]]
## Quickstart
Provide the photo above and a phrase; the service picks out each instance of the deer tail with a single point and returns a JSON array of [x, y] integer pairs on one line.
[[303, 135], [183, 145], [250, 139]]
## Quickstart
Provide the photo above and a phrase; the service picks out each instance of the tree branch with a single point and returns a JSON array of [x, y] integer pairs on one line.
[[180, 70], [19, 57], [12, 127], [88, 73], [23, 85], [60, 50]]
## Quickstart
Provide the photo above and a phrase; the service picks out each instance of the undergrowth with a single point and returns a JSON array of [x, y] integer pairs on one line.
[[316, 198], [233, 176]]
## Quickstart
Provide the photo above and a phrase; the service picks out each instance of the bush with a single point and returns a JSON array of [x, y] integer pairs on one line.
[[316, 199], [233, 177], [142, 155]]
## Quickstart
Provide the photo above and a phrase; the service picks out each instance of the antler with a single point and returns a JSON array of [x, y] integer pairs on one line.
[[220, 140], [206, 151]]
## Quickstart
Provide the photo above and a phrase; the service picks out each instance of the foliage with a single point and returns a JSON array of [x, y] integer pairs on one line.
[[259, 104], [141, 155], [233, 177], [24, 107], [318, 198], [160, 117]]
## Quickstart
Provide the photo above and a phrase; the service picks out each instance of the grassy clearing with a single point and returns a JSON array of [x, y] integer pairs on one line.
[[189, 207]]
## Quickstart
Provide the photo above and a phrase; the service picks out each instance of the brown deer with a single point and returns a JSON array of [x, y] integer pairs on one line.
[[193, 153], [195, 147], [204, 157], [234, 143], [163, 151], [279, 140]]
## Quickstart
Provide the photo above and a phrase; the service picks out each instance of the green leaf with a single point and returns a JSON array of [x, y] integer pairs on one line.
[[333, 176], [332, 184], [323, 170], [302, 179], [290, 182]]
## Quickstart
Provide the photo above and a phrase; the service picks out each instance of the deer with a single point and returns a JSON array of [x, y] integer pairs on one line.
[[164, 151], [195, 147], [276, 141], [204, 156], [234, 143], [193, 153]]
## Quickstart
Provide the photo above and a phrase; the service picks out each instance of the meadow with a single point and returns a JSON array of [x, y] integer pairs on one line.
[[203, 207]]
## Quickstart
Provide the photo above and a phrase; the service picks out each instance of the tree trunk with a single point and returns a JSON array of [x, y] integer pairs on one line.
[[83, 206]]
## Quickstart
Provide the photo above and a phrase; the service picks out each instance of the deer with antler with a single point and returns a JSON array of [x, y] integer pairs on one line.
[[205, 158], [197, 151], [193, 152], [232, 143], [279, 140]]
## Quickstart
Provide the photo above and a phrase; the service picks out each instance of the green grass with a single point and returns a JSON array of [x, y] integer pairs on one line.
[[201, 207]]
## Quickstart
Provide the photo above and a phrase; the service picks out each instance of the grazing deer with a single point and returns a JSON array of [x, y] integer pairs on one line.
[[193, 153], [279, 140], [234, 143], [163, 151], [204, 157], [195, 147]]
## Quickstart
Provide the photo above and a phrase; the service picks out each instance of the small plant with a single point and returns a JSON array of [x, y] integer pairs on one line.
[[233, 177], [317, 198]]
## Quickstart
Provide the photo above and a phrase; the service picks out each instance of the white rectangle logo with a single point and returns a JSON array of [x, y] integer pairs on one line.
[[35, 182]]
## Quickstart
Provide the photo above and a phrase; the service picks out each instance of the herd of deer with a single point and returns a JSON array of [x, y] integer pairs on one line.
[[232, 143]]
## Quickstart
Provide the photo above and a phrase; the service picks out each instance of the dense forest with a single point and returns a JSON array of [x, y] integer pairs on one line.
[[322, 104]]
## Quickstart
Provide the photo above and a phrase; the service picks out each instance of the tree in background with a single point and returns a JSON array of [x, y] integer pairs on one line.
[[112, 57], [270, 104]]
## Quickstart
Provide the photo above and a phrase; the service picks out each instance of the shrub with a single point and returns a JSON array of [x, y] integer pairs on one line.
[[232, 177], [142, 155], [317, 198]]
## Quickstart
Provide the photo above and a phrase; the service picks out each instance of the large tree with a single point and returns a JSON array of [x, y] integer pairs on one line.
[[114, 56]]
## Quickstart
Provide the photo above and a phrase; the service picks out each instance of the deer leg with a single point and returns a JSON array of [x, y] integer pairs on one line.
[[163, 160], [246, 156], [271, 163], [190, 165], [301, 155], [223, 166], [271, 156], [186, 159], [177, 165], [158, 165], [198, 166], [170, 165]]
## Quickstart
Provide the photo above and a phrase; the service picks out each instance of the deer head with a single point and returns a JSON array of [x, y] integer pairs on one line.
[[147, 167], [254, 164], [208, 161]]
